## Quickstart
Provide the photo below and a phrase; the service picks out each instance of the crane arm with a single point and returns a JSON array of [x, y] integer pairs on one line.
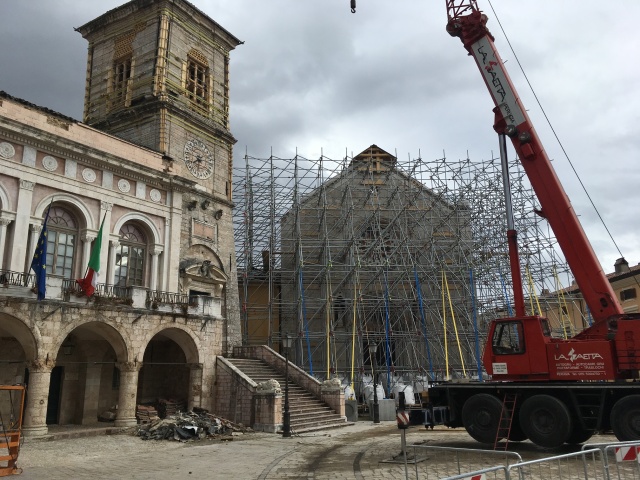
[[468, 23]]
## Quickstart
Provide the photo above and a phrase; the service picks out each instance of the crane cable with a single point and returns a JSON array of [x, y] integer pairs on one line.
[[544, 113], [532, 293], [455, 325], [553, 130]]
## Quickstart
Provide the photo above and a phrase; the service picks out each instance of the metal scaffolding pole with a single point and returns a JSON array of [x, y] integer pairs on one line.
[[357, 250]]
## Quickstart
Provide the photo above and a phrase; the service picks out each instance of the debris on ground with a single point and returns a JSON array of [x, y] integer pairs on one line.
[[146, 413], [108, 415], [183, 427], [169, 407]]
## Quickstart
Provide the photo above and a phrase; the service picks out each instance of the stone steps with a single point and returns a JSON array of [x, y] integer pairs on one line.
[[307, 413]]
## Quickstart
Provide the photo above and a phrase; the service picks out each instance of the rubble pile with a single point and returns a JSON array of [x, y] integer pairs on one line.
[[170, 407], [146, 413], [190, 426]]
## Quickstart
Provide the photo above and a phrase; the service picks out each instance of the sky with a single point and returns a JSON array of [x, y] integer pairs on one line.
[[314, 78]]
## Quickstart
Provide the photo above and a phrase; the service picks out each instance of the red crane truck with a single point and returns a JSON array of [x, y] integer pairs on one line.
[[549, 390]]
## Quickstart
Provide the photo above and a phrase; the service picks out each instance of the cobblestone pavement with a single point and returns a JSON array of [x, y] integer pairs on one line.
[[360, 452]]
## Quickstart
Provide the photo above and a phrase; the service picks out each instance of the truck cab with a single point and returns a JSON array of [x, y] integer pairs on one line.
[[516, 348], [522, 348]]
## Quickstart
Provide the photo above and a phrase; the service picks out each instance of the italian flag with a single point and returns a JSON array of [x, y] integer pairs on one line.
[[89, 282]]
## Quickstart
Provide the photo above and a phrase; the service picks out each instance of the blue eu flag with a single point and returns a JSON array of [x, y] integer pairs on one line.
[[39, 262]]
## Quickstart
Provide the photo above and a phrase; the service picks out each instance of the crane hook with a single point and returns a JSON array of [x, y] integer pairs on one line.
[[353, 6]]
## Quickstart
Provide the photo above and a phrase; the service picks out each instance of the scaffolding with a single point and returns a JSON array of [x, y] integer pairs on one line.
[[410, 255]]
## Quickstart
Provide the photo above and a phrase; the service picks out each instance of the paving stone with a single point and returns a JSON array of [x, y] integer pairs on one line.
[[355, 452]]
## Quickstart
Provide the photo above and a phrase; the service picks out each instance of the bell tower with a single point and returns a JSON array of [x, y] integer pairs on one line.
[[158, 76]]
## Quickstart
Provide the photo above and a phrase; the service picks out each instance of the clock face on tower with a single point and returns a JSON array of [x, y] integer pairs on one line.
[[198, 159]]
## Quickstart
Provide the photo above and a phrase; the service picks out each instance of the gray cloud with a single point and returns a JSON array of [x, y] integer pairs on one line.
[[313, 76]]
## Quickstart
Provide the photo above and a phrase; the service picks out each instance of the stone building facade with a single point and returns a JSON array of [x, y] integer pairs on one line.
[[151, 162], [352, 251]]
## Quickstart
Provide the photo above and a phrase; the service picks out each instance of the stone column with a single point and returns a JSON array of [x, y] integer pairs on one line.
[[165, 258], [195, 386], [21, 228], [35, 419], [33, 241], [173, 245], [153, 285], [91, 394], [105, 212], [3, 236], [87, 238], [111, 264], [127, 396]]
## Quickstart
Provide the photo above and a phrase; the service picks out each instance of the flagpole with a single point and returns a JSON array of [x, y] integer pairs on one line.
[[89, 282], [39, 261], [101, 225]]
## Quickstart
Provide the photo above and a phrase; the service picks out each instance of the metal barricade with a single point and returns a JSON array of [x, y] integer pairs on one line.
[[487, 473], [433, 462], [621, 459], [586, 464]]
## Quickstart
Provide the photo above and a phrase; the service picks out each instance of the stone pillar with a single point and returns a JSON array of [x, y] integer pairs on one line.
[[164, 269], [268, 405], [87, 238], [3, 237], [195, 386], [172, 256], [33, 241], [105, 212], [332, 394], [153, 285], [21, 227], [111, 263], [91, 394], [127, 396], [35, 419]]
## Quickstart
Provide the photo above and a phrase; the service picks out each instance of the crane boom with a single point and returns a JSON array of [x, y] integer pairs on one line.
[[567, 389], [468, 23]]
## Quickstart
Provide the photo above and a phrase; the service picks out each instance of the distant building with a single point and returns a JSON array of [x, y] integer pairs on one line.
[[568, 312], [152, 159]]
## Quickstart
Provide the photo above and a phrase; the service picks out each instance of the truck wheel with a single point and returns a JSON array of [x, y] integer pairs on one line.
[[625, 418], [516, 434], [480, 417], [579, 435], [545, 420]]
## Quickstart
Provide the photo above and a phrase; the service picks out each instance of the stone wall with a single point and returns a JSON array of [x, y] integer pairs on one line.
[[234, 394], [329, 391], [89, 341]]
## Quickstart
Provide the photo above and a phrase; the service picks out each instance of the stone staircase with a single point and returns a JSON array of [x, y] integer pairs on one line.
[[307, 413]]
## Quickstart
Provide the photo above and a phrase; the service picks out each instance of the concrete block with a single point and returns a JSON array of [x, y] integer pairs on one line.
[[351, 410], [387, 409]]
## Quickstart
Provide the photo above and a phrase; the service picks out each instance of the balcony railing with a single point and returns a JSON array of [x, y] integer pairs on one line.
[[112, 291], [16, 279], [103, 290], [68, 290], [168, 298]]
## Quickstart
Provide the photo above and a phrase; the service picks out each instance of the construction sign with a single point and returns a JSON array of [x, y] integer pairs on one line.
[[628, 454], [403, 419]]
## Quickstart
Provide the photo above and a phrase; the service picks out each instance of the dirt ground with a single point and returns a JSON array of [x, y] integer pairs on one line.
[[362, 451]]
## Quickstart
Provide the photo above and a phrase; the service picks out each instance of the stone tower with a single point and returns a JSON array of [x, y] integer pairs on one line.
[[158, 76]]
